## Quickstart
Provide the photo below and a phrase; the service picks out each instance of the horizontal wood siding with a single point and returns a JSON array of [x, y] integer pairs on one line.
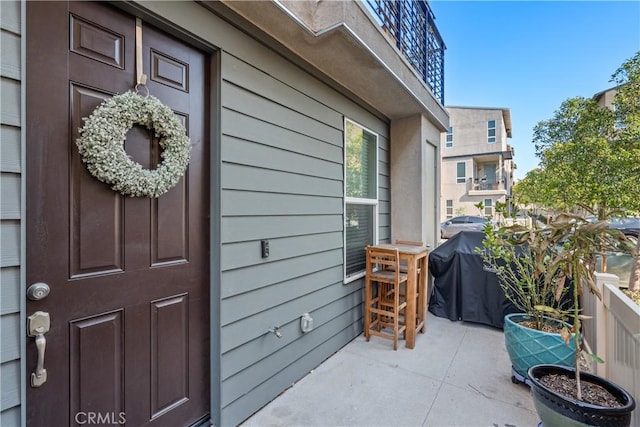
[[10, 212], [10, 417], [282, 176], [10, 385], [9, 290]]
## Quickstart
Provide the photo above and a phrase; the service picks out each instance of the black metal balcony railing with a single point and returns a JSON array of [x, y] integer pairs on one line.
[[411, 24], [482, 184]]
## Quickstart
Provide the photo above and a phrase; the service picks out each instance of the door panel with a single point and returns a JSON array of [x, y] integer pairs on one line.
[[97, 357], [169, 347], [97, 239], [129, 277]]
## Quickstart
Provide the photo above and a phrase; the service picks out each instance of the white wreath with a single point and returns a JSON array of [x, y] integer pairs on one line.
[[101, 145]]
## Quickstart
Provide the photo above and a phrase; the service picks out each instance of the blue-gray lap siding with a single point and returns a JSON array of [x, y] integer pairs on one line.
[[10, 212], [282, 179]]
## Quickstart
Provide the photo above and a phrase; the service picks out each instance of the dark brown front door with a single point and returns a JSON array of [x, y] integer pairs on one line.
[[129, 277]]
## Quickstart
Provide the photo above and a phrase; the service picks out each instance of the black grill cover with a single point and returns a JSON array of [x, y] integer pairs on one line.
[[462, 289]]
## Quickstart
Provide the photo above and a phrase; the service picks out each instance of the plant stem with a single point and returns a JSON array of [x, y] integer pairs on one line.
[[576, 332]]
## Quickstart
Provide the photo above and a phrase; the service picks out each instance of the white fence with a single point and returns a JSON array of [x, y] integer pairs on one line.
[[525, 222], [613, 333]]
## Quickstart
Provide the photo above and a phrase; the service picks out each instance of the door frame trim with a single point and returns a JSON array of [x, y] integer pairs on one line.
[[23, 210]]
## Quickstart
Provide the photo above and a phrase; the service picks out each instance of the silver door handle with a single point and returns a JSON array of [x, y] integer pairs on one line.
[[38, 324]]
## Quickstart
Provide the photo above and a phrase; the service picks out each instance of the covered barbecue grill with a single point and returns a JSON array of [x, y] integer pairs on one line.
[[462, 289]]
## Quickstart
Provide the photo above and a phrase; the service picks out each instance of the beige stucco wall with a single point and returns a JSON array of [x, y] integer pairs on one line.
[[414, 180], [605, 98], [470, 131]]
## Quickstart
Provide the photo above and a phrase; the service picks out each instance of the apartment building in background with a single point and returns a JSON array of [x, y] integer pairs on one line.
[[477, 161], [605, 98]]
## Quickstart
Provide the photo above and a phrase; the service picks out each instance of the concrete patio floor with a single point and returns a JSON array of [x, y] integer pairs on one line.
[[459, 374]]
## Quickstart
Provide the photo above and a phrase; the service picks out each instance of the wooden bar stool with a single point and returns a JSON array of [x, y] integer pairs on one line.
[[383, 305]]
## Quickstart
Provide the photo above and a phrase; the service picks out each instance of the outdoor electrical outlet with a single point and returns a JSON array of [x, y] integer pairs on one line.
[[306, 322], [264, 244]]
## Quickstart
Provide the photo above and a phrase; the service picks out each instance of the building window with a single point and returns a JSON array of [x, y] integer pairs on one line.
[[488, 206], [619, 123], [449, 205], [461, 176], [361, 196], [491, 131], [449, 141]]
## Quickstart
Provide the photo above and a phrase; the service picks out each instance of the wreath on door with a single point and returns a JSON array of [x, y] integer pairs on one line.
[[101, 145]]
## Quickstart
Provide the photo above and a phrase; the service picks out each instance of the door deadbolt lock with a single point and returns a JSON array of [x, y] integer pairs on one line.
[[38, 324], [38, 291]]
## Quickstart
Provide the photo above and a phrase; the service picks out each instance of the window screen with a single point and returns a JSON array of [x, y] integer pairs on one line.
[[361, 194], [359, 231]]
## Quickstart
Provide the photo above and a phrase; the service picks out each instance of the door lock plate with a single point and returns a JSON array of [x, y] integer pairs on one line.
[[38, 323]]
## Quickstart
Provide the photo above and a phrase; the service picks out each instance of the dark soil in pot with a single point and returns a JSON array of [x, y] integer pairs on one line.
[[591, 393]]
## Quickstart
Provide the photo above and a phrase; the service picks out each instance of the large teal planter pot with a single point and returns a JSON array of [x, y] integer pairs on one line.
[[528, 347]]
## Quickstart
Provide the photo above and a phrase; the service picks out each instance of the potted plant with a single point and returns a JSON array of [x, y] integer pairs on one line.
[[559, 392], [563, 254], [523, 259]]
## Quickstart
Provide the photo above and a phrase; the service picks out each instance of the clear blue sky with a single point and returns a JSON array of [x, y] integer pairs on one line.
[[529, 56]]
